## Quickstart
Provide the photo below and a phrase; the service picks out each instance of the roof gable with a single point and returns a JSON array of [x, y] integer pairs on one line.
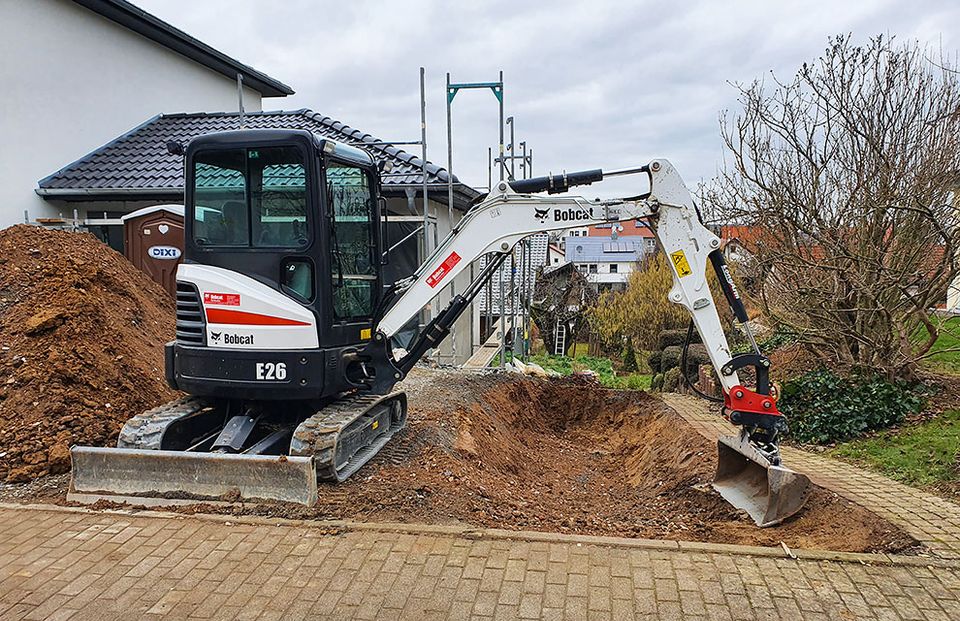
[[138, 164], [136, 19]]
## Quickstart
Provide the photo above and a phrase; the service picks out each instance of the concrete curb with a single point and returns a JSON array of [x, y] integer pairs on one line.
[[498, 534]]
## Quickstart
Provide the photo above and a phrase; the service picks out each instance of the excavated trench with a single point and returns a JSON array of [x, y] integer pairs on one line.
[[568, 456]]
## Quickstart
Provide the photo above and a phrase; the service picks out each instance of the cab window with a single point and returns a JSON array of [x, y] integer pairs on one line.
[[354, 264], [255, 197]]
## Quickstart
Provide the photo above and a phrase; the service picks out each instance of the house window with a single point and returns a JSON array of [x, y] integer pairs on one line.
[[592, 268], [613, 268]]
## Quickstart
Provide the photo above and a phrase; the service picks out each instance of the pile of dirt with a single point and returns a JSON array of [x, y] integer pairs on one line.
[[568, 456], [81, 347]]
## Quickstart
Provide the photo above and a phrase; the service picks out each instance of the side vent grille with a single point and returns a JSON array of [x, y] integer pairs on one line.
[[190, 323]]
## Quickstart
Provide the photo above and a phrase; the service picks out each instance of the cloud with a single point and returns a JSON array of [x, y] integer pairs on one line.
[[600, 84]]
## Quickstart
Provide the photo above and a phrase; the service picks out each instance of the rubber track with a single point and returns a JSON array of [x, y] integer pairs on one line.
[[317, 435], [145, 431]]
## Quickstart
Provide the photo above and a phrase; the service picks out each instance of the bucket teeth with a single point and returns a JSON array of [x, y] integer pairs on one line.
[[748, 481]]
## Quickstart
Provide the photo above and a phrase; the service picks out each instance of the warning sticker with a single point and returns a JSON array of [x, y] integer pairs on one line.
[[438, 274], [680, 263], [222, 299], [365, 334]]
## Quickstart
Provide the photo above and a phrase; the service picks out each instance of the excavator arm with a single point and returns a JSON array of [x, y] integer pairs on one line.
[[750, 464]]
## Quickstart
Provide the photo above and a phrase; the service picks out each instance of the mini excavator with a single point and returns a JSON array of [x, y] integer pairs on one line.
[[284, 324]]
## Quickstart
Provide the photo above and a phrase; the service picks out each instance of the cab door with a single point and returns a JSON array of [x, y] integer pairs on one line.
[[354, 255]]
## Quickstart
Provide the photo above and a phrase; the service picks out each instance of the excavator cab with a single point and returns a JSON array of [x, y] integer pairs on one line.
[[276, 298], [282, 270]]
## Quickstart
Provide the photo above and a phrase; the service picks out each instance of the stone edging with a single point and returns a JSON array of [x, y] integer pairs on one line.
[[498, 534]]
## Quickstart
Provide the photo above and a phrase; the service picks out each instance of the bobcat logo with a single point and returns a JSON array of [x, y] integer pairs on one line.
[[215, 336], [540, 214]]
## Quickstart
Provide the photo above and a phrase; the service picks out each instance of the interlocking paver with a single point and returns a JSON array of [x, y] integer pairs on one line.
[[930, 519], [212, 570]]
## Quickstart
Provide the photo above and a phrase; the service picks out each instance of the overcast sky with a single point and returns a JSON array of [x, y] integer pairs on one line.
[[591, 84]]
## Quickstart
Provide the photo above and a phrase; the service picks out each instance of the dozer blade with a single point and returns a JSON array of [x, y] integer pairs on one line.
[[748, 481], [169, 477]]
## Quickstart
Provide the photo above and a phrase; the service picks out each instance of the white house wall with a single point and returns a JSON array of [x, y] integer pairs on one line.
[[74, 80], [462, 332]]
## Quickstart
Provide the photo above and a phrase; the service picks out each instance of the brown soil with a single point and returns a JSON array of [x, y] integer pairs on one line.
[[81, 347], [565, 456]]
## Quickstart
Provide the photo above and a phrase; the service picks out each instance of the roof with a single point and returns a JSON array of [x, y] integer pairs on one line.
[[146, 211], [628, 228], [155, 29], [137, 165], [603, 250]]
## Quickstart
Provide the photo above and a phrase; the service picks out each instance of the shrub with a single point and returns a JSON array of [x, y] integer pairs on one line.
[[676, 337], [629, 357], [823, 407]]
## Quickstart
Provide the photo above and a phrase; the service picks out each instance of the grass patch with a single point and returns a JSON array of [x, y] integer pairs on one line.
[[603, 367], [941, 359], [924, 454]]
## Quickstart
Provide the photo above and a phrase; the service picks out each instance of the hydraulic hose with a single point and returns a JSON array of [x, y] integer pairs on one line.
[[683, 368]]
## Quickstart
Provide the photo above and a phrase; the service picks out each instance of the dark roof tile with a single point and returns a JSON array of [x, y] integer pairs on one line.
[[139, 158]]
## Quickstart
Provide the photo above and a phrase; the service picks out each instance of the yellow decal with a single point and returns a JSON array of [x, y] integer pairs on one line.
[[376, 424], [680, 263], [365, 334]]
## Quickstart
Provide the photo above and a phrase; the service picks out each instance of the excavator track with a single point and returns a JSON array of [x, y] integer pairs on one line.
[[145, 431], [344, 435]]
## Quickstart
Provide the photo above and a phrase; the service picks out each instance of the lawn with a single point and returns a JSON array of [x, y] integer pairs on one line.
[[944, 360], [922, 455], [603, 367]]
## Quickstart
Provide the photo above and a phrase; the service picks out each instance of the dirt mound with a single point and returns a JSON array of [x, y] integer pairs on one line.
[[81, 347], [568, 456]]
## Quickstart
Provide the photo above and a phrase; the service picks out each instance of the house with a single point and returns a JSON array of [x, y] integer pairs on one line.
[[555, 254], [107, 85], [607, 262], [78, 73]]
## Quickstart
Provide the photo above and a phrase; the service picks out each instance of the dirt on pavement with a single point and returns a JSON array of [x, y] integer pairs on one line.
[[81, 347]]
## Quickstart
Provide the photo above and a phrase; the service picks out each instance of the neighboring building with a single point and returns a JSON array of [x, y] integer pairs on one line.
[[607, 263], [555, 255], [521, 274], [78, 73], [87, 71]]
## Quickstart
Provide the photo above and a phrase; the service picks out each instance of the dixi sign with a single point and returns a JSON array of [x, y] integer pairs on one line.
[[164, 252]]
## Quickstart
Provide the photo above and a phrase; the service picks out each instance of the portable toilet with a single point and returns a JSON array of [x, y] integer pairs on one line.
[[153, 241]]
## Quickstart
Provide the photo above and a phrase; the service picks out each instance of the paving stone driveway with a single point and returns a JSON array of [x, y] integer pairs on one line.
[[58, 564], [930, 519]]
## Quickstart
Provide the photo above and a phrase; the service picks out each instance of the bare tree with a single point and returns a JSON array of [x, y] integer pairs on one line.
[[847, 171]]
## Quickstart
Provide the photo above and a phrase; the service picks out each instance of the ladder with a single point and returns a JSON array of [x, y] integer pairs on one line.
[[560, 340]]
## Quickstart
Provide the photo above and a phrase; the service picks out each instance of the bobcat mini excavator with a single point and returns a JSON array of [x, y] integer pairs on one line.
[[284, 324]]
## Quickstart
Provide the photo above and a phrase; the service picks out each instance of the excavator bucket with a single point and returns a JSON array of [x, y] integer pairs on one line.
[[171, 477], [748, 481]]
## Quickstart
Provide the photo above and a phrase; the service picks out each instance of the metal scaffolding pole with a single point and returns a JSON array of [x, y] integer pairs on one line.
[[426, 201], [503, 323], [451, 91], [511, 148], [453, 284], [523, 159], [489, 170], [513, 300]]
